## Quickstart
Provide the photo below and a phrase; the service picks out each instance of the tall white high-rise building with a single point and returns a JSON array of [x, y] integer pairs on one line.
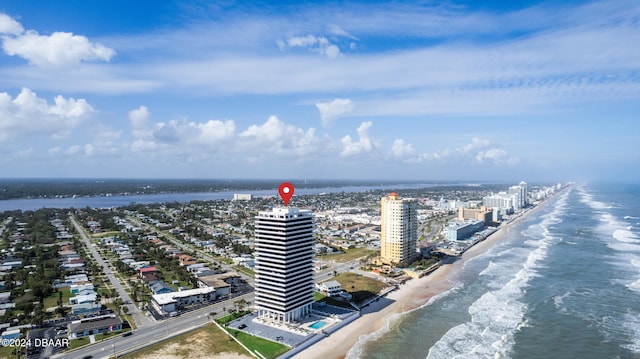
[[516, 193], [398, 230], [525, 193], [284, 264]]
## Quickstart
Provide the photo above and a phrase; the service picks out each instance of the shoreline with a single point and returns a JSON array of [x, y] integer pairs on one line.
[[409, 296]]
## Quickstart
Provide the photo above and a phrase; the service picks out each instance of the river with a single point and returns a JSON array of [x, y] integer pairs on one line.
[[26, 204]]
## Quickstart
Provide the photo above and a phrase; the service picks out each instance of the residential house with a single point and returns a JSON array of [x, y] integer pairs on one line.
[[160, 287]]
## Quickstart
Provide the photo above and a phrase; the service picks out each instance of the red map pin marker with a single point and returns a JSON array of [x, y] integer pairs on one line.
[[286, 192]]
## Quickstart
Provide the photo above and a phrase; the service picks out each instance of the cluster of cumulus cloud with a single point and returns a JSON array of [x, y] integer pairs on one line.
[[28, 116]]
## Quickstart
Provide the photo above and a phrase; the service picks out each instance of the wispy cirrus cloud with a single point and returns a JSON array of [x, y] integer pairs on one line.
[[566, 55]]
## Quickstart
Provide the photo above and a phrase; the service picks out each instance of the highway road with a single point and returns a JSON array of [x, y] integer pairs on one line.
[[151, 334], [148, 330]]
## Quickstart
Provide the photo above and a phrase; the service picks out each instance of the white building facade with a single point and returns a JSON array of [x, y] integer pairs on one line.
[[525, 193], [284, 247]]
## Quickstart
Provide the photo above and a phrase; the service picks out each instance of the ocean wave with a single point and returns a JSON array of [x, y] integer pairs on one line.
[[634, 286], [457, 286], [498, 314], [588, 199], [624, 235], [631, 217], [358, 349], [491, 269], [624, 247], [558, 302]]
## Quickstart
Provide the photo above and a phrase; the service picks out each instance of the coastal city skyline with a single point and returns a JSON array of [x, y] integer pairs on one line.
[[442, 91]]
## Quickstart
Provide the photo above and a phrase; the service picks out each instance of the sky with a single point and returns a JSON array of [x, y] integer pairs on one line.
[[401, 90]]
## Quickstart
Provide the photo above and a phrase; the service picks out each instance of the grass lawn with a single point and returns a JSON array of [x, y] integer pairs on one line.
[[7, 352], [245, 270], [223, 260], [209, 339], [106, 234], [170, 276], [359, 286], [130, 320], [77, 343], [231, 317], [349, 255], [52, 299], [265, 347], [108, 335], [317, 296]]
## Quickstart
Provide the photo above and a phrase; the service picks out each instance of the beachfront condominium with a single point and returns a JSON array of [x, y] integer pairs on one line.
[[284, 282], [399, 229], [525, 193]]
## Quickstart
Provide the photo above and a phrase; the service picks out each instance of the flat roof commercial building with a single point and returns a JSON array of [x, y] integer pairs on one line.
[[95, 325], [171, 302], [463, 229]]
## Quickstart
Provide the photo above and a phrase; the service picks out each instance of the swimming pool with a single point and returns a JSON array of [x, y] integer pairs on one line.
[[317, 325]]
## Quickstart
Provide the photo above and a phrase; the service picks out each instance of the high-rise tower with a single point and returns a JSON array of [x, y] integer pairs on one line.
[[284, 268], [399, 229], [525, 193]]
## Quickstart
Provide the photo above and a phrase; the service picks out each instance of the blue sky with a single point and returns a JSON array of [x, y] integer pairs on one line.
[[459, 90]]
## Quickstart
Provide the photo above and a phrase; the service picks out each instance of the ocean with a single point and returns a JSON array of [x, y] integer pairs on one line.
[[563, 283]]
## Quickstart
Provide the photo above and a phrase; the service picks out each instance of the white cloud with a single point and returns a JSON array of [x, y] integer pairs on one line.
[[478, 151], [139, 118], [9, 26], [187, 135], [74, 150], [329, 111], [28, 115], [302, 41], [338, 31], [364, 144], [319, 44], [276, 137], [402, 150], [210, 133], [60, 49], [497, 156], [214, 131], [476, 143]]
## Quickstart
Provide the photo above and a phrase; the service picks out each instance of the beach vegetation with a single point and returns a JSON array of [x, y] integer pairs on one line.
[[208, 339], [360, 287], [350, 255]]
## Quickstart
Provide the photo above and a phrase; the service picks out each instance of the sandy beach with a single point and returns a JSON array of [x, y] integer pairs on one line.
[[411, 295]]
